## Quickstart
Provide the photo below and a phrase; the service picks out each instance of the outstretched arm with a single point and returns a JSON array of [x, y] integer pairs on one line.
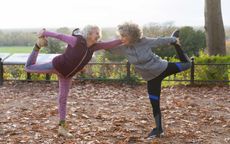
[[107, 45], [155, 42], [119, 50], [71, 40]]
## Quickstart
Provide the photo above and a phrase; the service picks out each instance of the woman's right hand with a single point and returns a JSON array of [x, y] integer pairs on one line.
[[41, 32]]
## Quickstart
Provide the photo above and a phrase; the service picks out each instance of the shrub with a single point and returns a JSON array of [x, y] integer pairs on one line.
[[212, 72]]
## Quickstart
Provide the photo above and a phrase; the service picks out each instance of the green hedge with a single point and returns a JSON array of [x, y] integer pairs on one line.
[[212, 72], [17, 72], [208, 72], [202, 72]]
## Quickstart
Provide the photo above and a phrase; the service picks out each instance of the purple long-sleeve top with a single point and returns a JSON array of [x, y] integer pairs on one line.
[[77, 54]]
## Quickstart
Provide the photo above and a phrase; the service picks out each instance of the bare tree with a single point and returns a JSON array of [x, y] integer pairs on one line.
[[214, 27]]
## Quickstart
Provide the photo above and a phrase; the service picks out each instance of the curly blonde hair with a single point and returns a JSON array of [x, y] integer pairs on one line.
[[131, 30]]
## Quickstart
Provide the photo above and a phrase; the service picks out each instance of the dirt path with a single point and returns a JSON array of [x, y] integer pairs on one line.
[[113, 113]]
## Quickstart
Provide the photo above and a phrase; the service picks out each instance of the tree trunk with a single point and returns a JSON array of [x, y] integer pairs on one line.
[[214, 27]]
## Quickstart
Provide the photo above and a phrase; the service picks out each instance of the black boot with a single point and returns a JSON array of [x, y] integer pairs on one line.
[[158, 131], [181, 54]]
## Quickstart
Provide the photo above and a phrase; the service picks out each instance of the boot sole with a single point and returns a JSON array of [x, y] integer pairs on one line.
[[153, 137], [61, 135]]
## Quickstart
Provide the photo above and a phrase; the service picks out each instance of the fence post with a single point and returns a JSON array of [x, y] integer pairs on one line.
[[1, 72], [48, 77], [28, 77], [192, 72], [128, 71]]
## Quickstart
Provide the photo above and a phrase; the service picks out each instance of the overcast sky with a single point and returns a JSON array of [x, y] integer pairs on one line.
[[105, 13]]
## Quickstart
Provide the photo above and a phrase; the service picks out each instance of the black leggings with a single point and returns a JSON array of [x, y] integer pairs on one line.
[[154, 85]]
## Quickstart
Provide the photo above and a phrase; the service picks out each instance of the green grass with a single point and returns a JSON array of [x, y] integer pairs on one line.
[[16, 49]]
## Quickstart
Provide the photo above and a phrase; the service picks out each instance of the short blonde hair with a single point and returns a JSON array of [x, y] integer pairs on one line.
[[88, 29], [132, 30]]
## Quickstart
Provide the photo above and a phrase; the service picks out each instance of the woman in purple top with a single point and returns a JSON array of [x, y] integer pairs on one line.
[[78, 53]]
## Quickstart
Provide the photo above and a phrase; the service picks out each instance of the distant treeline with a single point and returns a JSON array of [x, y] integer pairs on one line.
[[17, 38]]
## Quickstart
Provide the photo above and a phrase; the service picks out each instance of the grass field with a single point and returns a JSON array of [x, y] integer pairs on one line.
[[16, 49]]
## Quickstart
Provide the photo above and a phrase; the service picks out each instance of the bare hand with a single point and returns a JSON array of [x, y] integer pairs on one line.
[[178, 41]]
